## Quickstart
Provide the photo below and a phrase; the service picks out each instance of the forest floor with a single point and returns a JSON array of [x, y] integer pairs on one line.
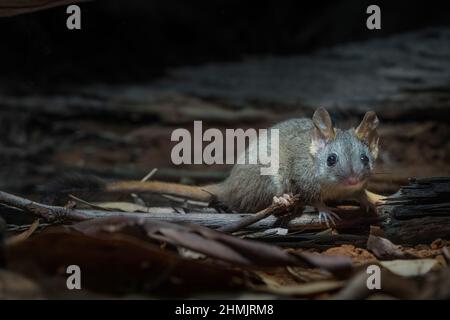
[[123, 132]]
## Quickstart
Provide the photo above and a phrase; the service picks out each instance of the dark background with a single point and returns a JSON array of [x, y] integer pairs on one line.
[[137, 40]]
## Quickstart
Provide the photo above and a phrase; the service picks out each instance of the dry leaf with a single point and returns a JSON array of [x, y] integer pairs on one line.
[[16, 286], [409, 268], [308, 274], [132, 207], [115, 263], [281, 282], [304, 289], [215, 244], [384, 249], [391, 284]]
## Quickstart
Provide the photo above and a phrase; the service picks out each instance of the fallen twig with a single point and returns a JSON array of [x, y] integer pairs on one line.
[[274, 209], [50, 213], [24, 235]]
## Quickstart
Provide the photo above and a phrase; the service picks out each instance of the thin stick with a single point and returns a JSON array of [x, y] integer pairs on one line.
[[136, 198], [50, 213], [24, 235], [274, 209], [92, 205], [149, 175], [242, 223]]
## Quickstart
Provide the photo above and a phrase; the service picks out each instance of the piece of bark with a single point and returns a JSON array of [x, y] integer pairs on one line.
[[384, 249], [419, 212]]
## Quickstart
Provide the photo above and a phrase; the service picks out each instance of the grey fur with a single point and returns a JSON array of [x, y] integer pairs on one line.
[[300, 172]]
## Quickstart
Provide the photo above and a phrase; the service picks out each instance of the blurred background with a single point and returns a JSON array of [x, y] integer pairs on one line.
[[105, 99]]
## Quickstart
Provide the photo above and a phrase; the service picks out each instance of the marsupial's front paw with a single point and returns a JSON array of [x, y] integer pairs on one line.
[[290, 202], [285, 199], [327, 216]]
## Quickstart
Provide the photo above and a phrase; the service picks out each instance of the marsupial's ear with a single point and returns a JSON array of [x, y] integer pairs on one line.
[[323, 130], [367, 132]]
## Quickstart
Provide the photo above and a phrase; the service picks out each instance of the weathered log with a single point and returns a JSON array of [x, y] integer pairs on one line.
[[419, 212]]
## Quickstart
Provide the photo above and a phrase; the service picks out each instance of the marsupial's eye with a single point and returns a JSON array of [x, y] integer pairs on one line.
[[364, 159], [332, 159]]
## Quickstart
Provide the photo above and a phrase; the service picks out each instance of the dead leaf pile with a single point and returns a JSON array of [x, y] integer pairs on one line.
[[122, 256]]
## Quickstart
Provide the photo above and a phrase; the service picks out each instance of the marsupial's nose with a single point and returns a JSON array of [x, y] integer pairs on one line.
[[352, 180]]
